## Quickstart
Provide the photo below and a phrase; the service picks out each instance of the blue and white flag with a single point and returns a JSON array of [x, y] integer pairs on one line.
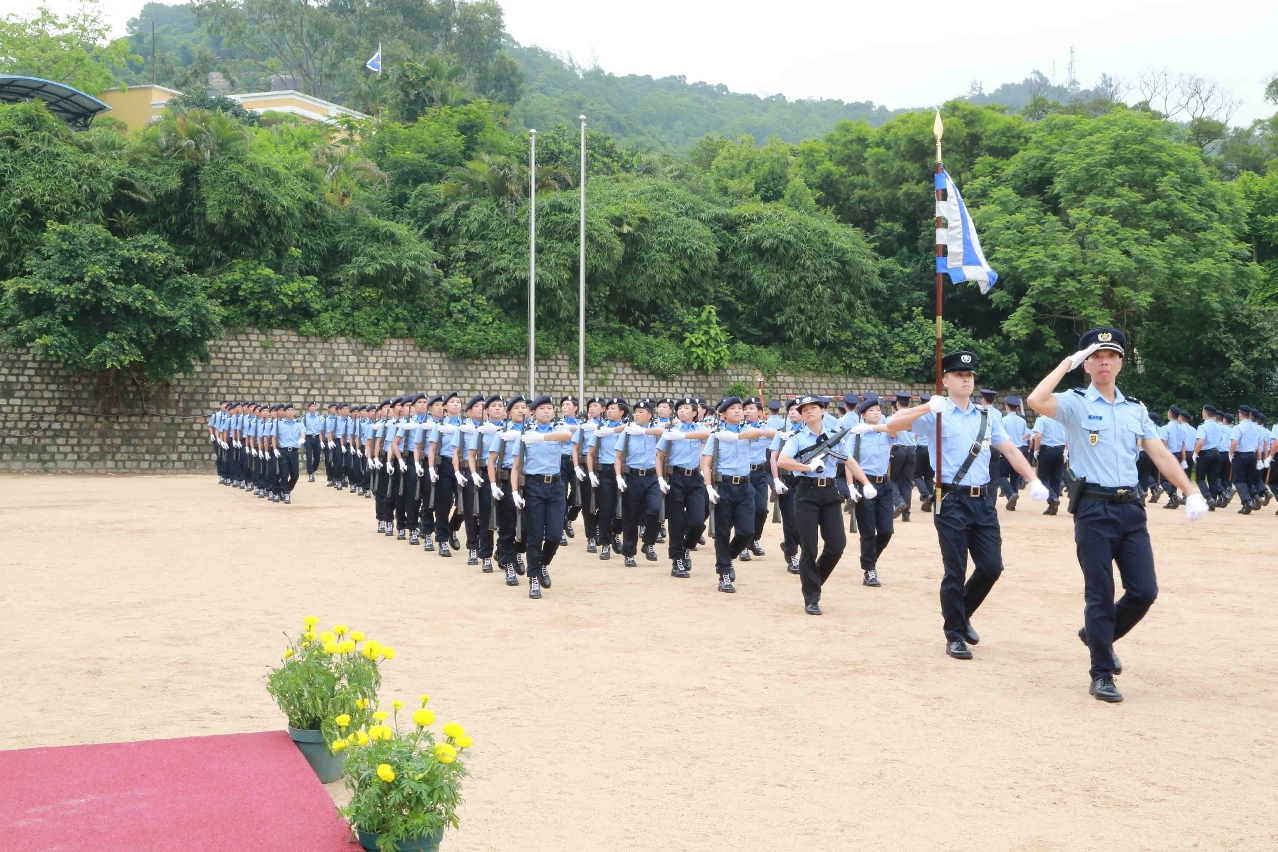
[[964, 260], [375, 64]]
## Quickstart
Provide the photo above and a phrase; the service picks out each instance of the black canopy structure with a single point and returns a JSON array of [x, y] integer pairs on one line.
[[71, 105]]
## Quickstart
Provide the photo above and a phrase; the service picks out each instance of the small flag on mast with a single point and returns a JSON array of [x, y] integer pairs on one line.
[[964, 260], [375, 64]]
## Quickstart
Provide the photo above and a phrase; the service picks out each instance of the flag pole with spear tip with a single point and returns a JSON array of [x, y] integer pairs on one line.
[[938, 130]]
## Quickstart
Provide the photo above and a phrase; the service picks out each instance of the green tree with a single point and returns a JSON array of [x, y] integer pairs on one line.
[[75, 49], [102, 305]]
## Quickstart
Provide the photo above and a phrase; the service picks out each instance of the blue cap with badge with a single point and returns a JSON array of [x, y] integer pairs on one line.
[[959, 362], [1111, 339]]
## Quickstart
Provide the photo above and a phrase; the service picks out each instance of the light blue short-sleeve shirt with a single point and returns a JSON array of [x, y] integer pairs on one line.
[[960, 429], [1103, 437]]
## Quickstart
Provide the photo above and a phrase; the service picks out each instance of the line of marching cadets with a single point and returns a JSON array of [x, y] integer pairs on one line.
[[517, 474]]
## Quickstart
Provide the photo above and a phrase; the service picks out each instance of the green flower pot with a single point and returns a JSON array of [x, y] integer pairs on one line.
[[329, 767], [428, 843]]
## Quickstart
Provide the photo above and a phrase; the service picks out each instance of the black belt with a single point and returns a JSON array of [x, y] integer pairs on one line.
[[643, 471], [816, 481], [877, 480], [969, 490], [1111, 495], [687, 471], [734, 480], [503, 475], [759, 466], [542, 478]]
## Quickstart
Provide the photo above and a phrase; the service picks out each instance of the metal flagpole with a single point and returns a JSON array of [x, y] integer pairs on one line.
[[381, 60], [581, 286], [532, 264], [938, 130]]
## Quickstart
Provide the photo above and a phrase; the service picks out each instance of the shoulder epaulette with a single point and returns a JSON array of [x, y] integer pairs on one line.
[[1135, 400], [1079, 391]]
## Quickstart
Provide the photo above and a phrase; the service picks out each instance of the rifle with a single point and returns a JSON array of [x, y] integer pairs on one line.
[[826, 445]]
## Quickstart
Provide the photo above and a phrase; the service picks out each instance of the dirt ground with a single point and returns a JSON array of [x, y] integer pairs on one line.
[[632, 710]]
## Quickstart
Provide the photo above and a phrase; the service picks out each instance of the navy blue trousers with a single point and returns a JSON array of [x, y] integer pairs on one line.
[[544, 507], [966, 524], [874, 523], [733, 512], [685, 510], [641, 503]]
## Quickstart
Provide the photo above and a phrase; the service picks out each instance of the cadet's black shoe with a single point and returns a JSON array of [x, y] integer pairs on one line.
[[1153, 498], [488, 566], [958, 650], [605, 553], [1173, 501], [725, 584], [732, 573], [312, 478], [1245, 510], [812, 609], [472, 558], [402, 535], [897, 510], [368, 495], [545, 578], [1051, 508], [455, 542], [1011, 502], [871, 578], [563, 539], [568, 530], [630, 562], [519, 564], [650, 552], [925, 505], [687, 562], [428, 543], [702, 540], [1118, 664], [793, 567], [973, 638], [677, 569], [590, 546], [511, 579], [905, 516], [413, 538], [381, 526], [1103, 689], [661, 536], [745, 556], [534, 588], [445, 550], [288, 498], [1265, 501], [616, 542], [390, 529]]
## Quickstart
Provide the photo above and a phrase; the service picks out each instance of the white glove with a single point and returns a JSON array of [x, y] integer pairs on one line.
[[376, 463], [869, 491], [1038, 491], [853, 496], [1184, 465], [663, 485], [712, 494], [359, 452], [779, 486], [511, 434], [496, 491], [253, 450], [816, 466], [223, 444], [332, 446], [468, 428], [403, 466], [344, 449], [1269, 461], [420, 470], [621, 485], [519, 501], [1195, 507], [488, 428], [434, 475], [725, 436], [594, 481], [861, 429], [672, 435], [237, 444], [1260, 465], [212, 438], [1082, 355], [447, 428], [634, 429], [277, 453], [607, 430], [531, 437], [579, 473], [477, 479], [936, 404], [590, 426]]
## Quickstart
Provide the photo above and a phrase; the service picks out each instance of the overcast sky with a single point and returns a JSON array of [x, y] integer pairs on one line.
[[901, 54]]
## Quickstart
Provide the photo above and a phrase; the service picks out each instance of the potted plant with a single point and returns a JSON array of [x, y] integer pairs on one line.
[[324, 678], [405, 787]]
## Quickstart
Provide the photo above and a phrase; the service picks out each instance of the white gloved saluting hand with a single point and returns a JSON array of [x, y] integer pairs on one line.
[[1082, 355]]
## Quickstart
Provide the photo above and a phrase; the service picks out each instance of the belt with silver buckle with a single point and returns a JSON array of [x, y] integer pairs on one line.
[[643, 471], [968, 490]]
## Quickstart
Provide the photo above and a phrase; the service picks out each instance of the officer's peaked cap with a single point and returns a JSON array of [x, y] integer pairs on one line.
[[959, 362], [1112, 339]]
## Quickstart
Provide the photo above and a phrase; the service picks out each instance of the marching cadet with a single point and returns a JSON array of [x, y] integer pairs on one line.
[[603, 473], [1174, 440], [581, 441], [568, 407], [413, 434], [217, 437], [871, 445], [383, 507], [966, 519], [998, 470], [1227, 456], [1103, 429], [478, 449], [1242, 449], [1009, 482], [468, 478], [635, 466], [341, 452], [818, 502], [537, 464], [904, 455], [329, 442], [725, 470], [783, 485], [1207, 457], [776, 420], [1049, 443], [924, 475], [270, 455], [392, 447], [760, 472], [313, 427], [502, 486], [289, 434], [443, 471], [679, 478], [847, 410]]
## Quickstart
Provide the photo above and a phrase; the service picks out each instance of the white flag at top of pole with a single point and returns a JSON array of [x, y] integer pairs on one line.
[[964, 260], [375, 64]]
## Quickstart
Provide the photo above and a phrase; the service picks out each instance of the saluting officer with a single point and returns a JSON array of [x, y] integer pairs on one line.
[[679, 477], [1103, 429], [725, 470], [538, 457], [966, 519]]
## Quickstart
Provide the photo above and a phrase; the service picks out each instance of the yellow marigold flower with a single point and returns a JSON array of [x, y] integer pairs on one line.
[[309, 636], [361, 703], [337, 745], [288, 653], [362, 738], [464, 741], [310, 621], [380, 732], [425, 700], [380, 715], [357, 636], [346, 647], [452, 729], [330, 647], [343, 720], [327, 636], [388, 653], [340, 629], [352, 739], [445, 753], [373, 645], [386, 773], [423, 717], [397, 704]]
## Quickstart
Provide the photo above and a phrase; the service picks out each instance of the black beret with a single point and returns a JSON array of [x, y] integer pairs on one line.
[[774, 405], [330, 405], [1229, 418], [647, 404], [687, 400], [439, 397], [343, 405], [665, 399], [790, 403], [544, 399], [598, 399], [619, 401], [869, 402], [1174, 410], [727, 402], [517, 398], [491, 399], [452, 395], [569, 398], [1210, 409], [959, 362], [1245, 409], [474, 400], [385, 403]]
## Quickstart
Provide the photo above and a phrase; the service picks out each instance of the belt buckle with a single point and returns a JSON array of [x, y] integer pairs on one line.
[[975, 490], [736, 480], [547, 480], [641, 472], [821, 482]]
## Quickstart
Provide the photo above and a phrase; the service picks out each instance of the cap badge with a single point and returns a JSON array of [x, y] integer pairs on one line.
[[966, 359], [1104, 337]]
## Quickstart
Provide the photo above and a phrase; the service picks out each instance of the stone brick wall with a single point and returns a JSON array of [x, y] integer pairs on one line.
[[52, 421]]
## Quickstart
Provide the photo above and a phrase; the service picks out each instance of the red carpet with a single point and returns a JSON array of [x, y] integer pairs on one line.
[[234, 793]]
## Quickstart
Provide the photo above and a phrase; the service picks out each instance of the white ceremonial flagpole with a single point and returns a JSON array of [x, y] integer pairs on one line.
[[381, 60], [581, 287], [532, 265]]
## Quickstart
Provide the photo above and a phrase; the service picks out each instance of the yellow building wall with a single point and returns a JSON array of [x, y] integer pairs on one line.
[[139, 105]]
